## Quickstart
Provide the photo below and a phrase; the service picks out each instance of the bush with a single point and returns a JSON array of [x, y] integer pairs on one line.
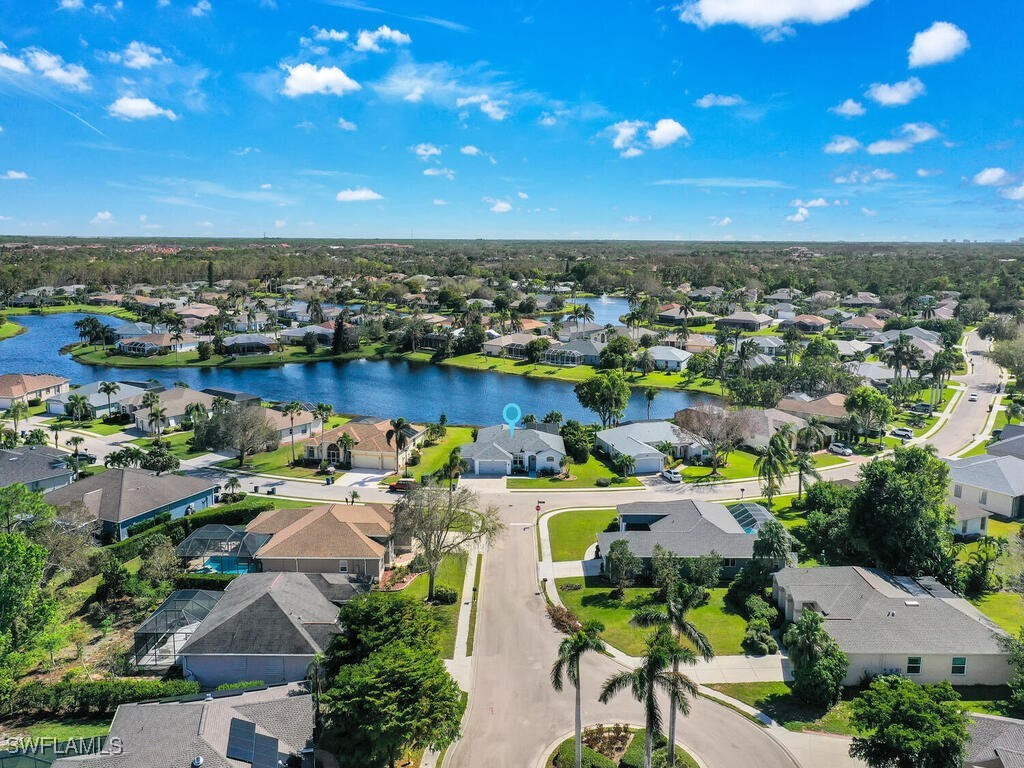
[[758, 639], [759, 609], [242, 684], [572, 586], [563, 619], [566, 757], [88, 697], [145, 525], [215, 581], [602, 482], [634, 754], [445, 595]]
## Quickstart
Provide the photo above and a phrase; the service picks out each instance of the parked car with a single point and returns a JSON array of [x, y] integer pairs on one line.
[[672, 475], [904, 433], [840, 449], [87, 458], [973, 397], [404, 485], [921, 408]]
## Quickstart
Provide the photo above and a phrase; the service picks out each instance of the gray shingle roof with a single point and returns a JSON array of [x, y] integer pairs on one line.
[[995, 739], [689, 528], [640, 438], [122, 494], [28, 464], [497, 443], [999, 474]]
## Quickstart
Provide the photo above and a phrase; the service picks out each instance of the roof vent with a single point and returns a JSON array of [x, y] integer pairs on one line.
[[198, 761], [208, 697], [911, 603], [891, 614]]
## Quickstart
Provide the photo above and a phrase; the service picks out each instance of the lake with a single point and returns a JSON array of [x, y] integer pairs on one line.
[[384, 388]]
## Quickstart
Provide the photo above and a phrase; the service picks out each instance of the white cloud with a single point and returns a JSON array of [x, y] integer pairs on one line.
[[992, 177], [896, 94], [204, 224], [1013, 193], [12, 63], [243, 151], [547, 120], [865, 177], [927, 173], [819, 202], [941, 42], [305, 79], [201, 8], [331, 35], [280, 223], [357, 195], [632, 152], [868, 212], [773, 18], [801, 215], [842, 145], [266, 186], [448, 173], [472, 151], [500, 206], [522, 196], [347, 125], [140, 56], [138, 108], [725, 221], [910, 134], [494, 109], [15, 176], [665, 133], [103, 217], [624, 133], [370, 41], [439, 201], [52, 67], [426, 150], [848, 108], [709, 100], [70, 5]]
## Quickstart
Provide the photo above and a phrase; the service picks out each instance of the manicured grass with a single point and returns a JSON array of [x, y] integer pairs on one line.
[[1004, 608], [177, 442], [776, 700], [451, 573], [723, 628], [96, 426], [471, 634], [741, 465], [60, 729], [583, 476], [633, 755], [278, 462], [10, 329], [573, 531], [291, 354], [87, 309], [435, 456]]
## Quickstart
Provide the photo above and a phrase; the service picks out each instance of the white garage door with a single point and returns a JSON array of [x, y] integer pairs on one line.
[[648, 465]]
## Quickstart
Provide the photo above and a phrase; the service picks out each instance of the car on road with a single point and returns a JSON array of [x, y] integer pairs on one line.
[[840, 449], [86, 458], [904, 433], [672, 475], [973, 397], [404, 485]]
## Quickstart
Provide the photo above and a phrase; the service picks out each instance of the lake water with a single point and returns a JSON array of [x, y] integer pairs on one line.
[[607, 309], [384, 388]]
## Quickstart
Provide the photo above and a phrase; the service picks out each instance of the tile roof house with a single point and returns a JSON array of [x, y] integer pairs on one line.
[[864, 326], [250, 344], [861, 299], [762, 423], [829, 408], [371, 449], [985, 485], [575, 352], [886, 624], [174, 401], [119, 498], [159, 344], [278, 723], [808, 323], [38, 468], [22, 387], [640, 440], [689, 528], [266, 626], [329, 538], [499, 451], [996, 742], [746, 321], [304, 423], [512, 345]]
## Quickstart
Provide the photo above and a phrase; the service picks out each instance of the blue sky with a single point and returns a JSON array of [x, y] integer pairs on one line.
[[704, 119]]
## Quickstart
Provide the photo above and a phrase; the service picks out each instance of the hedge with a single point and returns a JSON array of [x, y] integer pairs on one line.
[[633, 757], [566, 757], [92, 697], [215, 581]]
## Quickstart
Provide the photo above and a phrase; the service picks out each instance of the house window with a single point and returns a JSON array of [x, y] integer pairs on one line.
[[958, 490], [913, 665], [959, 666], [963, 527], [983, 497], [551, 459], [343, 566]]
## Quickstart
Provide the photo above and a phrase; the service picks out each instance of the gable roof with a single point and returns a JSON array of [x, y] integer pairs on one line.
[[999, 474], [831, 406], [995, 741], [328, 531], [640, 438], [370, 435], [497, 442], [21, 384], [122, 494], [29, 464]]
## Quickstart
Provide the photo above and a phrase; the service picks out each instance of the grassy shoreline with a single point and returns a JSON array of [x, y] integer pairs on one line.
[[85, 309], [10, 329]]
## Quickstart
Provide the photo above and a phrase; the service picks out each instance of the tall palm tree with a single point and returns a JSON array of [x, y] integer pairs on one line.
[[567, 665], [109, 388], [649, 395], [674, 616], [812, 436], [655, 674], [323, 413], [157, 419], [291, 410], [803, 463], [401, 441], [150, 399], [645, 362], [17, 411], [454, 466], [56, 427], [75, 441], [586, 313], [773, 462], [176, 338], [346, 442]]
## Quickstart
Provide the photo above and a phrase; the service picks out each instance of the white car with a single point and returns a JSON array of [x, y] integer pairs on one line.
[[672, 475], [840, 449], [973, 397], [903, 433]]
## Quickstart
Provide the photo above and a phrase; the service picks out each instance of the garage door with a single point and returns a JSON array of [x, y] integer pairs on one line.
[[491, 467], [648, 465]]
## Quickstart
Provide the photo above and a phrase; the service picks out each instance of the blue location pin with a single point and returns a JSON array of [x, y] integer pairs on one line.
[[512, 414]]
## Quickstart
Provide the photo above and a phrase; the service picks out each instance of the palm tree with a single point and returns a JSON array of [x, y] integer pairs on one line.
[[586, 314], [803, 463], [74, 441], [346, 442], [156, 420], [674, 616], [150, 399], [232, 484], [773, 462], [401, 441], [645, 362], [17, 411], [812, 436], [454, 466], [649, 395], [78, 407], [323, 413], [176, 338], [291, 410], [56, 427], [109, 388], [655, 673], [571, 650]]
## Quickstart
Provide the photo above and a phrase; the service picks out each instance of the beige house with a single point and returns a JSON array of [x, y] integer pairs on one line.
[[985, 485], [22, 387], [370, 449], [829, 408]]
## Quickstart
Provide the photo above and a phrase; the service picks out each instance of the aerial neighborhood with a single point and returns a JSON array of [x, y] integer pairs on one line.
[[251, 505]]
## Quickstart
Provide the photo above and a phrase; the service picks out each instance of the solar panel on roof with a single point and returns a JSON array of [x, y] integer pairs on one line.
[[241, 736], [265, 751]]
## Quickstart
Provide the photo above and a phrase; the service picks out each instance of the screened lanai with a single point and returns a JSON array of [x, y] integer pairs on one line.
[[217, 548], [158, 638]]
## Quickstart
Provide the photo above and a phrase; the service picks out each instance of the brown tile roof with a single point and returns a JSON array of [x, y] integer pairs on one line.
[[330, 530], [279, 420], [369, 436], [829, 406], [20, 384]]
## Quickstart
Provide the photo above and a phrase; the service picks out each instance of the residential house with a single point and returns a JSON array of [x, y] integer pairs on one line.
[[99, 405], [864, 326], [37, 467], [861, 299], [985, 485], [877, 375], [1010, 442], [707, 293], [23, 387], [808, 323], [674, 315], [575, 352], [174, 401], [769, 346], [744, 321], [500, 451], [371, 449], [120, 498], [761, 425], [302, 424], [669, 358], [264, 727], [250, 344], [849, 349], [571, 330], [267, 626], [823, 298], [234, 396], [694, 343], [897, 624], [133, 330], [512, 345], [996, 742], [329, 538], [830, 408], [644, 441], [784, 295], [689, 528], [159, 344], [783, 311]]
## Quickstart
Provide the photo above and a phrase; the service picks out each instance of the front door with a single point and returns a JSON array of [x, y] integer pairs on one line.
[[533, 463]]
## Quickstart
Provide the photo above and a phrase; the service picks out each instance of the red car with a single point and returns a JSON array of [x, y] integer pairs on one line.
[[404, 485]]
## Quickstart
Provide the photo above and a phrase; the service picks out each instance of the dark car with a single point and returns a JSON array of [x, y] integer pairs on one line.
[[87, 458], [404, 485]]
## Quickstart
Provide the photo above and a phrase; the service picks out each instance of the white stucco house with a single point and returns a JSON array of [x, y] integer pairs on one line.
[[644, 441], [985, 485], [499, 451]]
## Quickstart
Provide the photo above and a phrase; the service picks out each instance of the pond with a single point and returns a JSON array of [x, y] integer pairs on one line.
[[383, 388]]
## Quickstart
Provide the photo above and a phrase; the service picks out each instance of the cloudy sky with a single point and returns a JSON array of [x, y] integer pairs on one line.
[[705, 119]]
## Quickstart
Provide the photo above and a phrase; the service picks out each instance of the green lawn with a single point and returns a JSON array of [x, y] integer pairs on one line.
[[1004, 608], [291, 354], [96, 426], [10, 329], [741, 465], [61, 729], [777, 701], [278, 462], [583, 476], [723, 628], [177, 442], [435, 456], [88, 309], [451, 573], [573, 531]]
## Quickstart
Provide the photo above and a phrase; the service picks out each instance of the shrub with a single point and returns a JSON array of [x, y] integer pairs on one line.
[[602, 482], [757, 608], [445, 595], [215, 581], [414, 458], [566, 757], [758, 639], [240, 685], [84, 697], [633, 757], [145, 525], [563, 619], [572, 586]]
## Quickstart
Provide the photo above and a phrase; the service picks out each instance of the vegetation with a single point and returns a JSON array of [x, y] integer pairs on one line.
[[572, 532]]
